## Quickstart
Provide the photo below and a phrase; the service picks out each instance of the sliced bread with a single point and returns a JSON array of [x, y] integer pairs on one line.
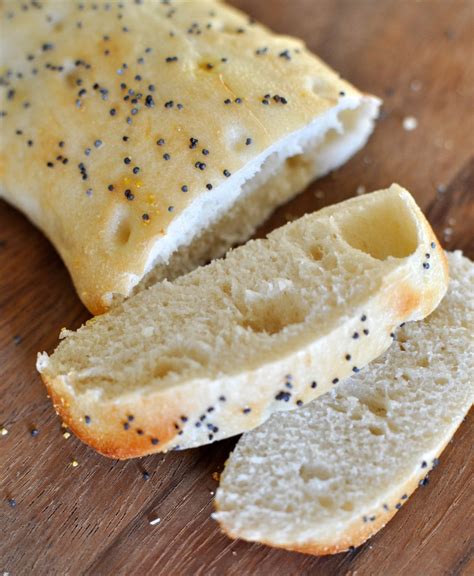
[[275, 324], [325, 478], [145, 138]]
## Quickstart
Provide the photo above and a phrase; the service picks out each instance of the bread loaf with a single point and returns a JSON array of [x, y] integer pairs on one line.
[[325, 478], [145, 138], [277, 323]]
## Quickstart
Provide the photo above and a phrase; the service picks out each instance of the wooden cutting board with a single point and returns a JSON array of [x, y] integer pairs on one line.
[[93, 518]]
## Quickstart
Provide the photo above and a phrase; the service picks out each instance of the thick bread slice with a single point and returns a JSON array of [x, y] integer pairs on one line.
[[327, 477], [145, 138], [215, 352]]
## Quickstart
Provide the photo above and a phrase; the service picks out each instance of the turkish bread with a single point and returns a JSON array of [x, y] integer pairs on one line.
[[146, 138], [325, 478], [276, 323]]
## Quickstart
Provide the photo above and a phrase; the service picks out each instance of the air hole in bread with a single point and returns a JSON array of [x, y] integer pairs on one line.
[[375, 406], [226, 288], [310, 472], [347, 506], [299, 161], [316, 252], [376, 431], [387, 229], [165, 367], [326, 501], [272, 314]]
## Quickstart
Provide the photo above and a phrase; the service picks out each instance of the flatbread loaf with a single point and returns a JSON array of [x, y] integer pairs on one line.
[[145, 138]]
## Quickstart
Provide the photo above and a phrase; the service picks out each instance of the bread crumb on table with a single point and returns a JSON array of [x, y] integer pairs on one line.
[[154, 521], [410, 123]]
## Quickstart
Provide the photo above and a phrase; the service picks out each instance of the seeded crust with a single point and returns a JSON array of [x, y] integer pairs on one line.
[[110, 239], [241, 395], [325, 479]]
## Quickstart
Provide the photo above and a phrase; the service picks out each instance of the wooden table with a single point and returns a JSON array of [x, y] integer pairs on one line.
[[94, 518]]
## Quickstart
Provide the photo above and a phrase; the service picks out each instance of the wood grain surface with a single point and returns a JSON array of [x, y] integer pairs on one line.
[[94, 518]]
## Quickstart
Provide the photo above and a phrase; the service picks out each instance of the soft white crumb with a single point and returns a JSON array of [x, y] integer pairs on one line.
[[3, 431], [415, 85], [155, 521], [360, 190], [319, 194], [410, 123]]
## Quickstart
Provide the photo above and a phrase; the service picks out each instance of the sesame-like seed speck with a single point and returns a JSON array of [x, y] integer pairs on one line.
[[12, 502], [126, 426], [426, 265], [355, 335], [209, 186], [348, 357], [110, 187], [246, 410], [226, 173], [248, 141], [87, 419], [129, 195], [299, 402], [363, 318], [365, 331], [166, 156], [222, 398], [314, 384], [145, 217], [145, 475], [335, 380], [140, 432], [34, 432], [154, 441], [160, 142]]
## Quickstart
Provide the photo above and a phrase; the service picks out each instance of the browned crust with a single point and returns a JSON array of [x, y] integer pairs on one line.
[[112, 445]]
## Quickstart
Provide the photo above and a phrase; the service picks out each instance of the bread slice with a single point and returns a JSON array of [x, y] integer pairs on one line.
[[325, 478], [215, 352], [145, 138]]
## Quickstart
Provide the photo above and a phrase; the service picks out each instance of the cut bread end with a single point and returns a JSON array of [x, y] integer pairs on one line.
[[231, 212]]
